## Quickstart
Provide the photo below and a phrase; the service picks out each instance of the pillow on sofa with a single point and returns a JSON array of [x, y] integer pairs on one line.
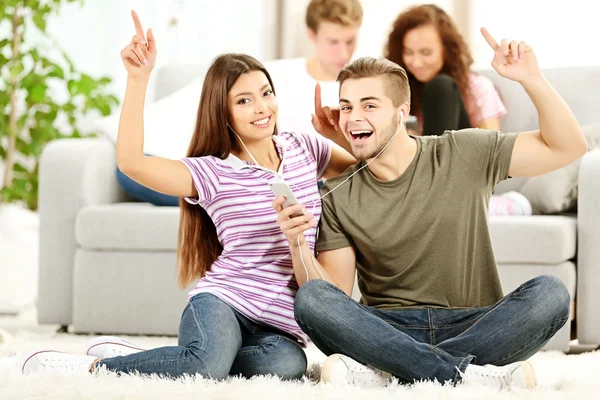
[[556, 191], [168, 123]]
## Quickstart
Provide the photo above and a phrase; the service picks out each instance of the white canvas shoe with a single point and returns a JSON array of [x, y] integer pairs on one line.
[[339, 370], [111, 346], [54, 361], [517, 375]]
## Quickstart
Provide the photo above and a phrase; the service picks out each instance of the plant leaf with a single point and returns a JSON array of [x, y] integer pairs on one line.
[[38, 69], [69, 107], [102, 105], [29, 80], [23, 147], [114, 99], [57, 72], [22, 121], [73, 87], [34, 54], [6, 194], [20, 185], [19, 168], [16, 69], [4, 97], [37, 94], [69, 61], [39, 21], [86, 85], [36, 148]]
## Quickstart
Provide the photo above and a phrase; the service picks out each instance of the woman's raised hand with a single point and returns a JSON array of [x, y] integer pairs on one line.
[[139, 56]]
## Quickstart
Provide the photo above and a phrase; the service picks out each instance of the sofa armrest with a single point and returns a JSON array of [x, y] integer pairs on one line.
[[588, 252], [73, 173]]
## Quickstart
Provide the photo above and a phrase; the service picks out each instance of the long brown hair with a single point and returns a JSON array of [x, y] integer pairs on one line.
[[198, 245], [457, 57]]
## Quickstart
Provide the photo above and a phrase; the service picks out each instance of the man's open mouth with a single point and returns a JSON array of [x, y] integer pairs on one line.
[[360, 135]]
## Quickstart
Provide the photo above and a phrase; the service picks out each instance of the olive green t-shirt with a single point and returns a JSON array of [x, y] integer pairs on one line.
[[422, 240]]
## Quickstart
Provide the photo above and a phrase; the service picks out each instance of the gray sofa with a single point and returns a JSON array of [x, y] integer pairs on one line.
[[107, 265]]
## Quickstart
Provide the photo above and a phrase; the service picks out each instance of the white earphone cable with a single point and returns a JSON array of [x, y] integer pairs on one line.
[[326, 194]]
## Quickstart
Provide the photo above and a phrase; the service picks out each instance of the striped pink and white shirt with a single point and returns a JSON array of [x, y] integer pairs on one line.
[[254, 273]]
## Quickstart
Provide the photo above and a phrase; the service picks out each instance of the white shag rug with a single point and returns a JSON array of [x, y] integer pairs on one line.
[[559, 376]]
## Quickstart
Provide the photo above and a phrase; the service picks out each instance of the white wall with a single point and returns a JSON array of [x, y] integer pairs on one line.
[[95, 34], [561, 33]]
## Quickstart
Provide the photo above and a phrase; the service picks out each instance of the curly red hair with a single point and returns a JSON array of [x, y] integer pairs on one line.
[[457, 56]]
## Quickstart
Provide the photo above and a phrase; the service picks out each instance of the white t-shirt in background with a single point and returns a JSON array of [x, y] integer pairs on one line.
[[295, 91]]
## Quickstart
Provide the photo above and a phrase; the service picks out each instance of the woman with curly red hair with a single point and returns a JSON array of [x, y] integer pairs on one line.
[[445, 94]]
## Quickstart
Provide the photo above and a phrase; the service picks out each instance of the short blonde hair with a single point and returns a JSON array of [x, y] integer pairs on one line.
[[342, 12], [396, 78]]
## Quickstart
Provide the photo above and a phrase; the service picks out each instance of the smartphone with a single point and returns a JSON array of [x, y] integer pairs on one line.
[[281, 189]]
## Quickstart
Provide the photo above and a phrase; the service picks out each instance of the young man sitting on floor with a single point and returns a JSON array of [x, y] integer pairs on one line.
[[411, 219]]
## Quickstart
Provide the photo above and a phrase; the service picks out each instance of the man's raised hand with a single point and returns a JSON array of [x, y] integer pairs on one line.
[[325, 119], [512, 59]]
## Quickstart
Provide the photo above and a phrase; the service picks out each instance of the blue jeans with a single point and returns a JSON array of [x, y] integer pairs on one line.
[[142, 193], [433, 343], [216, 341]]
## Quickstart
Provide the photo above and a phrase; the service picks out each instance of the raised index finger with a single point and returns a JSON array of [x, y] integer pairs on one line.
[[490, 39], [138, 24], [318, 99]]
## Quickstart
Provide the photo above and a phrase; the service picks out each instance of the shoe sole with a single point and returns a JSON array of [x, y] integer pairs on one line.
[[328, 367], [530, 379], [110, 340]]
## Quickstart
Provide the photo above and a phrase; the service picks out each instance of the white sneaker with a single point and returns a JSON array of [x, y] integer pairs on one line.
[[339, 370], [111, 346], [517, 375], [54, 361]]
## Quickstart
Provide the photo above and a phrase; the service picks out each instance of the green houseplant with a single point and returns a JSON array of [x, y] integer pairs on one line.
[[42, 95]]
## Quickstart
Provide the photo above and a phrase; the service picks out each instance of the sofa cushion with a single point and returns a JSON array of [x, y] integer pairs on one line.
[[548, 239], [168, 123], [140, 226], [578, 86], [556, 191], [127, 226]]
